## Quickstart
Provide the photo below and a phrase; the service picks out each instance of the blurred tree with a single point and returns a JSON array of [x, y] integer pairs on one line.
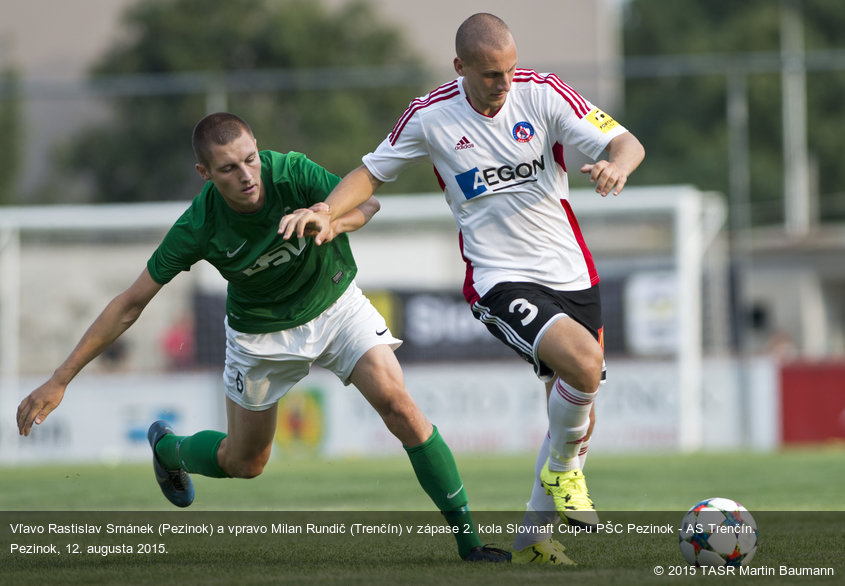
[[10, 133], [681, 120], [143, 152]]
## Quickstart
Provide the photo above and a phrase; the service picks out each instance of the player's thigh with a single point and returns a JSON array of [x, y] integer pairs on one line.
[[573, 353], [250, 433], [519, 314], [378, 376]]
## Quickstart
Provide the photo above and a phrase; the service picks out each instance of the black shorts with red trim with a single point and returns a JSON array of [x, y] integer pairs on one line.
[[519, 314]]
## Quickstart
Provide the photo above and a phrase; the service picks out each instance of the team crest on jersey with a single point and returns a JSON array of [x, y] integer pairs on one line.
[[523, 131]]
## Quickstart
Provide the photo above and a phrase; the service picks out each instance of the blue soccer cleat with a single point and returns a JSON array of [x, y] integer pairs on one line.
[[175, 484]]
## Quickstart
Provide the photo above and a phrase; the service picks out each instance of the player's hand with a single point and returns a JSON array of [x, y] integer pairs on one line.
[[607, 177], [38, 405], [314, 222]]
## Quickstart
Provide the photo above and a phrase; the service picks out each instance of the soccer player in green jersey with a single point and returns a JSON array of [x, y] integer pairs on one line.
[[290, 303]]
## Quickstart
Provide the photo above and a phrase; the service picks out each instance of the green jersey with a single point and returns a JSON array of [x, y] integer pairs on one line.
[[274, 284]]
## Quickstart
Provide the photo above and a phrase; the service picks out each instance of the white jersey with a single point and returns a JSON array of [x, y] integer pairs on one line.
[[504, 177]]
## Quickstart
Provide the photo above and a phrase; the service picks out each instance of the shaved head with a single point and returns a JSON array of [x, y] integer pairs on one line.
[[219, 128], [481, 32]]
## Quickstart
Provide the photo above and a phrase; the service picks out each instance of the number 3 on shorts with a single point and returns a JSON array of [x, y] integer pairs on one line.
[[523, 307]]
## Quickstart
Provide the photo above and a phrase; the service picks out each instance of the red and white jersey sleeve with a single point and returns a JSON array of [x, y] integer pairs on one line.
[[504, 176]]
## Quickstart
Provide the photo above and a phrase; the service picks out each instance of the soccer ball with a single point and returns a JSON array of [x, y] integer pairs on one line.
[[718, 532]]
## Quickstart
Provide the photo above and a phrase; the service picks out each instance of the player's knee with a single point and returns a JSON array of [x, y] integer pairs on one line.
[[588, 371]]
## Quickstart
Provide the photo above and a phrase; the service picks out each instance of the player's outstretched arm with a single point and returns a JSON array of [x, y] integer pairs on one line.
[[119, 314], [356, 217], [352, 191], [625, 153], [348, 222], [355, 189]]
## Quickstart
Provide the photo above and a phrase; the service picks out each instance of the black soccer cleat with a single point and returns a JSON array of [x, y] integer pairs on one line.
[[485, 553], [176, 485]]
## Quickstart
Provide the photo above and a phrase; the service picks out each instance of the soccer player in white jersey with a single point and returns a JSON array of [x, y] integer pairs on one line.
[[496, 136]]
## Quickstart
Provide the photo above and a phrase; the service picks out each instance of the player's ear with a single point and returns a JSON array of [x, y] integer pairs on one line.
[[459, 66], [203, 172]]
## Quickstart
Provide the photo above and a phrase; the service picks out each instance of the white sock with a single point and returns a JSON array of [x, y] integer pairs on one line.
[[539, 510], [569, 420], [582, 454]]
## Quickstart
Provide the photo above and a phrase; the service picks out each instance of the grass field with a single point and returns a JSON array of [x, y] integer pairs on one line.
[[797, 497]]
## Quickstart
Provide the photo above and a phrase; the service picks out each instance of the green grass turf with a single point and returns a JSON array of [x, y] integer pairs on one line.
[[799, 479], [785, 490]]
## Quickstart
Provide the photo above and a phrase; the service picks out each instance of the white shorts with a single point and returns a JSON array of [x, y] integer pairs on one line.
[[261, 368]]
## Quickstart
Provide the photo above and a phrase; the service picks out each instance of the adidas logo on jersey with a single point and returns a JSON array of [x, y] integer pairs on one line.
[[464, 143]]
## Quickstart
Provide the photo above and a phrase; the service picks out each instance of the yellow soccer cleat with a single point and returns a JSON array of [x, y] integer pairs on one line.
[[569, 491], [547, 551]]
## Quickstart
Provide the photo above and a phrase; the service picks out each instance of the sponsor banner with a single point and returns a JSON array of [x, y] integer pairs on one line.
[[478, 406], [439, 326], [500, 407], [434, 326], [105, 417], [638, 406]]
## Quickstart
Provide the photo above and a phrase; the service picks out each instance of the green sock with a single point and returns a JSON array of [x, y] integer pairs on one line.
[[193, 453], [438, 474]]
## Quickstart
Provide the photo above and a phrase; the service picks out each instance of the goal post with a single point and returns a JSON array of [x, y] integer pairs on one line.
[[696, 219]]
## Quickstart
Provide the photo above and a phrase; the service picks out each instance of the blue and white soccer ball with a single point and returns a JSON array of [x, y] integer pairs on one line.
[[718, 532]]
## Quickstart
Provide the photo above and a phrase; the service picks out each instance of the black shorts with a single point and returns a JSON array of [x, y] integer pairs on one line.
[[520, 313]]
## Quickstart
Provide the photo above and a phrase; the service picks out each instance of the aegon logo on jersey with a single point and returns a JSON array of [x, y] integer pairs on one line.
[[474, 182]]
